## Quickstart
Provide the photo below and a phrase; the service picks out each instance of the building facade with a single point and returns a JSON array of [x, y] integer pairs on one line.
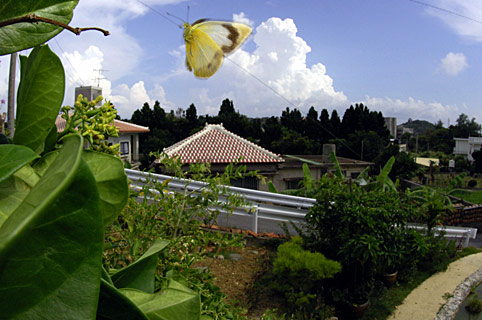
[[219, 147]]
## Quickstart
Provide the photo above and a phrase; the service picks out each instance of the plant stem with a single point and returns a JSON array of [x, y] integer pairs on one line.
[[34, 18]]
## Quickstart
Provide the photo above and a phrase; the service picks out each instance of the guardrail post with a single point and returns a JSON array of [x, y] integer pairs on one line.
[[466, 239], [255, 219]]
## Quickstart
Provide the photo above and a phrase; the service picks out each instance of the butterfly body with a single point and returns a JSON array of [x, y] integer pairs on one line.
[[208, 41]]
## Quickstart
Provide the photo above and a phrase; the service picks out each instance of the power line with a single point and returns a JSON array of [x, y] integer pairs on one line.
[[159, 13], [71, 65], [446, 11], [292, 104]]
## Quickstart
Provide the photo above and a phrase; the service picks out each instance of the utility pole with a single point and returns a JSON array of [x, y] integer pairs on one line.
[[11, 95]]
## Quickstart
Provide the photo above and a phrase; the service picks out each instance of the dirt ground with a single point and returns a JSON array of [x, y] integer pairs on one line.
[[236, 274]]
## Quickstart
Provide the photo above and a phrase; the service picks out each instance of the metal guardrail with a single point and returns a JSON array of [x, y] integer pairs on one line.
[[264, 205], [275, 207]]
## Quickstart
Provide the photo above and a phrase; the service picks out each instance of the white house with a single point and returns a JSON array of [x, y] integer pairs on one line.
[[466, 146]]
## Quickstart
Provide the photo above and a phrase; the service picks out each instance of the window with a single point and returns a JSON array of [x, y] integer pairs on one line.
[[124, 147], [246, 182], [293, 184]]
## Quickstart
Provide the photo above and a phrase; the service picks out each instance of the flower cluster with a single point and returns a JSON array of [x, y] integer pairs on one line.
[[95, 124]]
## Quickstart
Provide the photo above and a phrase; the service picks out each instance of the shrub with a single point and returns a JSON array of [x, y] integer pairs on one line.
[[356, 226], [299, 274], [472, 183], [474, 305], [295, 261]]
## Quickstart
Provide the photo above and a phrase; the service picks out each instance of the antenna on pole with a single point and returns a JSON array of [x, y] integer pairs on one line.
[[99, 77]]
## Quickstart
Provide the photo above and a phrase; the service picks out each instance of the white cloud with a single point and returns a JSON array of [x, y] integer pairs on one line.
[[277, 64], [128, 99], [241, 18], [454, 63], [412, 108], [462, 26]]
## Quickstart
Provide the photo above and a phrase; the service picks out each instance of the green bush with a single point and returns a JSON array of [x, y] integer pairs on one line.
[[474, 305], [360, 227], [439, 254], [472, 183], [296, 262], [298, 276]]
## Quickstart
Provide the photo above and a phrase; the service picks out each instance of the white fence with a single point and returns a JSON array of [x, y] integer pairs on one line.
[[269, 209]]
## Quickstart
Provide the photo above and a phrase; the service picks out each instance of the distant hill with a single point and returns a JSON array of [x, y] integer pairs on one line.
[[418, 126]]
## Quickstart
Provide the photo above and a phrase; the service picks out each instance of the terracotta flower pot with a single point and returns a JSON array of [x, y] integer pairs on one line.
[[358, 310], [390, 278]]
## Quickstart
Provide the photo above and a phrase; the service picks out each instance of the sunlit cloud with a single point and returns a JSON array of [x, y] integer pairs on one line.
[[454, 63]]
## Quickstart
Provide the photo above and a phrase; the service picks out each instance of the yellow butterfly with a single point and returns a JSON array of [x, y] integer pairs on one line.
[[208, 41]]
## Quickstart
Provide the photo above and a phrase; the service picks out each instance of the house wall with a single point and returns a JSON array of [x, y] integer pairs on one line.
[[466, 146], [295, 173], [461, 146], [125, 138]]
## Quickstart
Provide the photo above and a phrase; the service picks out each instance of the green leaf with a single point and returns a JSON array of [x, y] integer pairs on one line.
[[383, 175], [308, 180], [40, 95], [51, 245], [113, 305], [176, 302], [22, 36], [12, 192], [12, 158], [338, 172], [271, 187], [141, 273], [51, 139], [112, 183], [15, 189]]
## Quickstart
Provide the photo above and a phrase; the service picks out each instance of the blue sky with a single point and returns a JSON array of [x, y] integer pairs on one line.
[[399, 57]]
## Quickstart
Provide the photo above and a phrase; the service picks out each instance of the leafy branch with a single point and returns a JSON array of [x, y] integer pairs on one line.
[[32, 18]]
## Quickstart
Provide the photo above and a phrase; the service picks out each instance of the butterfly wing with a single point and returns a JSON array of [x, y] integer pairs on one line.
[[203, 56], [208, 41], [227, 35]]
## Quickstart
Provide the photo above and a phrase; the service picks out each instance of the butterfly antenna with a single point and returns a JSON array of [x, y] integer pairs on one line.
[[171, 15], [187, 14]]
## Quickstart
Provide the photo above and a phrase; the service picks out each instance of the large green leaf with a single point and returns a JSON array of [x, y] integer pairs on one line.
[[338, 172], [40, 95], [22, 36], [112, 183], [141, 273], [12, 192], [12, 158], [176, 302], [113, 305], [308, 180], [51, 245]]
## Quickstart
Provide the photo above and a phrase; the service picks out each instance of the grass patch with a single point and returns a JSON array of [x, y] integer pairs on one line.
[[470, 196], [467, 252], [384, 302]]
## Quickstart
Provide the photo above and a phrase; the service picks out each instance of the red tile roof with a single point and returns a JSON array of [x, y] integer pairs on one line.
[[124, 127], [215, 144]]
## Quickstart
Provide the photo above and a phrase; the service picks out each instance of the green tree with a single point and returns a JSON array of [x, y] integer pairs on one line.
[[465, 128], [292, 119], [291, 142], [272, 131]]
